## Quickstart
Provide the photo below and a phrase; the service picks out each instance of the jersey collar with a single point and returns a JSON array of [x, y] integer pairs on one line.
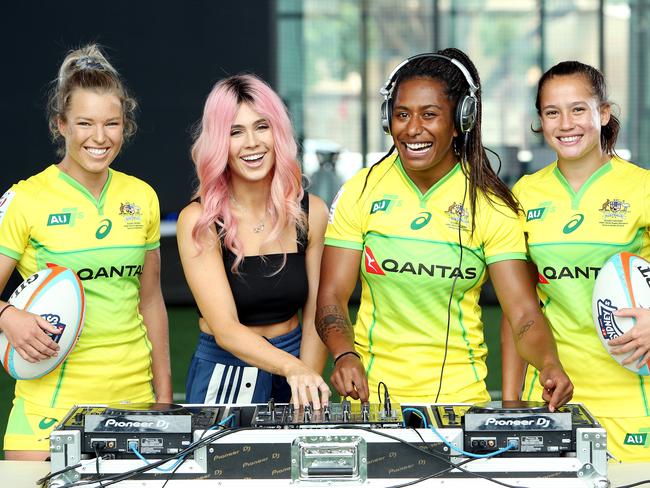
[[576, 196], [98, 203], [424, 197]]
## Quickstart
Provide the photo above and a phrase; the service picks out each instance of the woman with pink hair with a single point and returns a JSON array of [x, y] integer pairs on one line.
[[250, 245]]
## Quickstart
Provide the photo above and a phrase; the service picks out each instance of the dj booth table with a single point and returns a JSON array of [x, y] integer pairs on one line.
[[374, 445], [23, 474]]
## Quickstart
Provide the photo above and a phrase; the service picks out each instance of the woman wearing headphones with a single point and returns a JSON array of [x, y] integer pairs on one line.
[[580, 210], [422, 226]]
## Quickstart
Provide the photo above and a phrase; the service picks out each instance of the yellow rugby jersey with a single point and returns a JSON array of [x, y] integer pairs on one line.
[[411, 254], [52, 218], [570, 236]]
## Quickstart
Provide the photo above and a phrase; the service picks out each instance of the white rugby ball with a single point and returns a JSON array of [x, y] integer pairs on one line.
[[623, 282], [56, 294]]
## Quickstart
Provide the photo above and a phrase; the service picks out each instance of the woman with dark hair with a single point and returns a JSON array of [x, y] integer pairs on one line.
[[423, 226], [580, 210], [251, 245], [123, 353]]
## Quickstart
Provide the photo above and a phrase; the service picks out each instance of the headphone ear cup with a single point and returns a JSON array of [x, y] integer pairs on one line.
[[385, 116], [466, 114]]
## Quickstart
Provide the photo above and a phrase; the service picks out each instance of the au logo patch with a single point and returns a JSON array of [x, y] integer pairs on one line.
[[66, 216], [385, 204], [535, 214], [379, 206], [58, 219], [637, 439]]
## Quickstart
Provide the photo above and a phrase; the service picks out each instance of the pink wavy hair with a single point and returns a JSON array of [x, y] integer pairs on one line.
[[210, 155]]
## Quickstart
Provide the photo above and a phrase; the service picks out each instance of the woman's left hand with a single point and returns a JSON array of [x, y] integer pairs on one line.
[[637, 339]]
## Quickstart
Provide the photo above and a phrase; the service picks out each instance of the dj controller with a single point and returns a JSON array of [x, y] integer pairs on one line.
[[346, 442]]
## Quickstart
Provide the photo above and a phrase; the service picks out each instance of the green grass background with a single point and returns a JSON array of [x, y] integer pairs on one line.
[[183, 332]]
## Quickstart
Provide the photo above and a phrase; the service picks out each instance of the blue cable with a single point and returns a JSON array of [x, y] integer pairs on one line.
[[182, 458], [471, 454], [451, 446], [418, 413]]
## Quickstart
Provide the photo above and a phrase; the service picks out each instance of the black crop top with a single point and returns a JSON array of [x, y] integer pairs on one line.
[[262, 297]]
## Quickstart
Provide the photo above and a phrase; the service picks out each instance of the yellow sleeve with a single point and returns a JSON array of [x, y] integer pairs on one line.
[[502, 232], [14, 225], [646, 207], [153, 229], [517, 191], [345, 227]]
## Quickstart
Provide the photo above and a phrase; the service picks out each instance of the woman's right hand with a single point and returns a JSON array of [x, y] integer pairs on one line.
[[349, 378], [29, 333], [307, 386]]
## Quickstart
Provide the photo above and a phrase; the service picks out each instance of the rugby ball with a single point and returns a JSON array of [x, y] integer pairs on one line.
[[56, 294], [623, 282]]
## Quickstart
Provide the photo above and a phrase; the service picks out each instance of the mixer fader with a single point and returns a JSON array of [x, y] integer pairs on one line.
[[272, 415]]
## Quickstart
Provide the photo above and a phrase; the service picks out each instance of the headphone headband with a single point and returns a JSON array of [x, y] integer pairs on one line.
[[387, 89], [467, 105]]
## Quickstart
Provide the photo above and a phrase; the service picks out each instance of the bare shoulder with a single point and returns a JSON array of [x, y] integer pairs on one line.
[[189, 215], [318, 212], [317, 207]]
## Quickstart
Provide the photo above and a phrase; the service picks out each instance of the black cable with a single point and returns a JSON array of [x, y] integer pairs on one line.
[[173, 472], [97, 457], [430, 476], [498, 158], [108, 480], [440, 457], [117, 477], [460, 264], [638, 483], [379, 385]]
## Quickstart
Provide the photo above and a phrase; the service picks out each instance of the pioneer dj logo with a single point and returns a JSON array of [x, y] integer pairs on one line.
[[372, 266], [129, 425], [497, 423], [608, 328]]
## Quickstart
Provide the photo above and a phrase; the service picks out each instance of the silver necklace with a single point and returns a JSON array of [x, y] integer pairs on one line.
[[257, 228]]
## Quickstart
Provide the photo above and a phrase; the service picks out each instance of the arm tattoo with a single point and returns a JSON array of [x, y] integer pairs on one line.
[[524, 328], [330, 319]]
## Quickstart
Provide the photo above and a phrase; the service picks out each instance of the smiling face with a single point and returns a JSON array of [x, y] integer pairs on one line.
[[251, 155], [93, 131], [572, 117], [422, 125]]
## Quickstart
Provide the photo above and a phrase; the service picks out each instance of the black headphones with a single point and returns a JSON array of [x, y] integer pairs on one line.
[[465, 116]]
